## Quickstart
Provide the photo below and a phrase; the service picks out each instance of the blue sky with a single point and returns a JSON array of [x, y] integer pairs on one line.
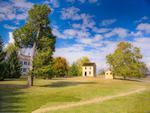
[[86, 27]]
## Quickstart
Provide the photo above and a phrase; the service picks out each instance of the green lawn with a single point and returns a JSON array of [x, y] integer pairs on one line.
[[15, 97], [136, 103]]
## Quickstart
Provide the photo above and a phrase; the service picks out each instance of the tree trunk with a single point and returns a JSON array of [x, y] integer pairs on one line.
[[30, 81], [31, 77], [124, 77]]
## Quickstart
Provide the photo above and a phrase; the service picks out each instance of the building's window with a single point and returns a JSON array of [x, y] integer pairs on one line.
[[24, 70], [85, 67], [25, 63], [89, 72], [28, 63], [90, 67]]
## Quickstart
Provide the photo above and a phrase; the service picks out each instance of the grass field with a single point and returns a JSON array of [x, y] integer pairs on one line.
[[15, 97]]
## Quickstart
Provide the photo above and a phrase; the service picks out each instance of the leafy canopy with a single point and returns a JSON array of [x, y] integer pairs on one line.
[[36, 33], [80, 62], [60, 66], [73, 70], [126, 61]]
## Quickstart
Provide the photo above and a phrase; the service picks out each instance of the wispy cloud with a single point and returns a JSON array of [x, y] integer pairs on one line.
[[52, 3], [14, 9], [145, 27], [76, 51], [108, 22], [83, 1], [10, 27], [120, 32]]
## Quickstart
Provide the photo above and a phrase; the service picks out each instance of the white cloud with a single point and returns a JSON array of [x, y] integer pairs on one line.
[[70, 13], [120, 32], [145, 27], [136, 33], [101, 30], [10, 27], [83, 1], [52, 3], [9, 9], [11, 39], [57, 33], [108, 22], [93, 42], [142, 19], [76, 51], [93, 1], [70, 33]]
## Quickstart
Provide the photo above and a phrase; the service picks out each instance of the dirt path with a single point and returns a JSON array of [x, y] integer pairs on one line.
[[95, 100]]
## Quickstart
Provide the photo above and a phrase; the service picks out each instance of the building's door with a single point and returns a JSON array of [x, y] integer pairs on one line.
[[85, 74]]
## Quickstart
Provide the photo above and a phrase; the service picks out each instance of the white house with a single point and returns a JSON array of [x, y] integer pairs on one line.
[[89, 69], [25, 60], [108, 74]]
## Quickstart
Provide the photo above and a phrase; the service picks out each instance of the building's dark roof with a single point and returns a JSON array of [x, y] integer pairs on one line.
[[88, 64]]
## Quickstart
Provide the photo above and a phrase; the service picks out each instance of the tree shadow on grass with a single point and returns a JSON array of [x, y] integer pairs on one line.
[[66, 84], [10, 99], [130, 79]]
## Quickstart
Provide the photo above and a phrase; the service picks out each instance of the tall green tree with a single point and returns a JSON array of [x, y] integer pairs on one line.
[[2, 61], [126, 61], [36, 33], [60, 66], [73, 70], [13, 65], [80, 62]]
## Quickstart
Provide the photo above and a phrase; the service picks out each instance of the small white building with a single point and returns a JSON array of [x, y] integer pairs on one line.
[[108, 74], [25, 64], [89, 69], [25, 60]]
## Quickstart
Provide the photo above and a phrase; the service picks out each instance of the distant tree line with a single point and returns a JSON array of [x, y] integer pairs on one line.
[[61, 67]]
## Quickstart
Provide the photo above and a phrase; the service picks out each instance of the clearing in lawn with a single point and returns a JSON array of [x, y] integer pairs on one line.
[[56, 92]]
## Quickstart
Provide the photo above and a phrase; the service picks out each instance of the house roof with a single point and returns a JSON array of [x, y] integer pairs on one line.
[[24, 57], [88, 64]]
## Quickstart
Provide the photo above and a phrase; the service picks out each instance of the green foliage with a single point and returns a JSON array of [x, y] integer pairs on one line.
[[37, 22], [37, 33], [42, 64], [80, 62], [73, 70], [2, 61], [13, 66], [60, 66], [126, 61]]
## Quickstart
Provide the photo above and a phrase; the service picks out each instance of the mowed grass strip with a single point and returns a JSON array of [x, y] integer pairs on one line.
[[136, 103], [57, 92]]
